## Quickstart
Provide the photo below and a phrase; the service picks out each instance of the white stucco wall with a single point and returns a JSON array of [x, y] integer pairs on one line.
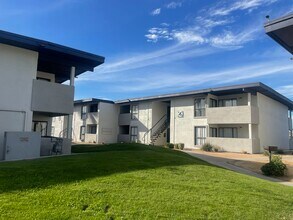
[[182, 129], [108, 123], [273, 123], [144, 121], [18, 68]]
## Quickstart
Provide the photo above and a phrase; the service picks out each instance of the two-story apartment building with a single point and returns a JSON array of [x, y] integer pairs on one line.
[[281, 30], [236, 118], [31, 92], [94, 121]]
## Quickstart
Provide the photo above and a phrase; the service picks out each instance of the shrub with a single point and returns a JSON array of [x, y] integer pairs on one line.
[[181, 146], [266, 153], [280, 151], [216, 148], [275, 168], [169, 145], [207, 147]]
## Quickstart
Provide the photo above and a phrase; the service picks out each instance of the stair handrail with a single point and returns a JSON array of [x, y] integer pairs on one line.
[[151, 129]]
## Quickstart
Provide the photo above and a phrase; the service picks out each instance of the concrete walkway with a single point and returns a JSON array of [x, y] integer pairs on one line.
[[222, 162]]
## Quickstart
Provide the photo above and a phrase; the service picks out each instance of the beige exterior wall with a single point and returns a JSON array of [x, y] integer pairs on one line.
[[182, 129], [273, 123], [144, 121], [232, 115]]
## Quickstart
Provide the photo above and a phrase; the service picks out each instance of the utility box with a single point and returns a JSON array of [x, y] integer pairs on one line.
[[22, 145]]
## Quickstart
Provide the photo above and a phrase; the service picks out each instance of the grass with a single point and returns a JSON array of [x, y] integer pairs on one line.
[[133, 181]]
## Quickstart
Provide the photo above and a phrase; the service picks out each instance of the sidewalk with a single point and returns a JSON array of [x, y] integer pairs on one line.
[[223, 162]]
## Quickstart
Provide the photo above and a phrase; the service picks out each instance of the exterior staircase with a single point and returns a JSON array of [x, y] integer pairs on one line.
[[157, 130]]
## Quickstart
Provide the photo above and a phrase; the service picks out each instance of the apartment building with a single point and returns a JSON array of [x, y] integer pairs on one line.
[[94, 121], [32, 93], [236, 118]]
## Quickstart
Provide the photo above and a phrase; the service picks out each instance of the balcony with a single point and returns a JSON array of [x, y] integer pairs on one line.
[[232, 115], [124, 119], [53, 98], [236, 144], [124, 138]]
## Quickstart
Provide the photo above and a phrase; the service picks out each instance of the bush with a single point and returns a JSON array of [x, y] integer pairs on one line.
[[275, 168], [169, 145], [216, 148], [280, 151], [181, 146], [266, 153], [207, 147]]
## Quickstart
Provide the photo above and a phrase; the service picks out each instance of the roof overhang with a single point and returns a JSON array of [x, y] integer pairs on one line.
[[54, 58], [281, 30], [220, 91]]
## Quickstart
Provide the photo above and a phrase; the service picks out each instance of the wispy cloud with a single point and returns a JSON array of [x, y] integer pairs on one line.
[[154, 34], [286, 90], [228, 38], [175, 81], [173, 5], [156, 11], [223, 9], [169, 54]]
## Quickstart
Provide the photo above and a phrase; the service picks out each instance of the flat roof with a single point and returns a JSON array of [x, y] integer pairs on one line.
[[91, 101], [281, 30], [226, 90], [54, 58]]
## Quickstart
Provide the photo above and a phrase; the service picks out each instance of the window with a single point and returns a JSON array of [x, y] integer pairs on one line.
[[92, 129], [199, 107], [83, 111], [200, 135], [228, 132], [133, 134], [214, 132], [134, 112], [82, 133], [213, 103], [94, 108], [227, 102]]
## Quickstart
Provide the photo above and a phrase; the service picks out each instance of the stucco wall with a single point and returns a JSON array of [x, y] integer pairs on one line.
[[18, 69], [182, 129], [108, 123], [273, 123], [144, 121]]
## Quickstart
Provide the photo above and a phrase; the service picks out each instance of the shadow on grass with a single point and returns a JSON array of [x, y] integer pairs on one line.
[[107, 160]]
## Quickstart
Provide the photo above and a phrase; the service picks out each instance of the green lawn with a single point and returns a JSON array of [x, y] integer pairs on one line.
[[135, 182]]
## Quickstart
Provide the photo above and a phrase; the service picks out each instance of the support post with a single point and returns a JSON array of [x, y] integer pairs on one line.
[[69, 121], [249, 99], [250, 131]]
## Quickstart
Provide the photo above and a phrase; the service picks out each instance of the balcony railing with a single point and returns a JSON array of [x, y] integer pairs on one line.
[[232, 115], [124, 119], [124, 138], [52, 97]]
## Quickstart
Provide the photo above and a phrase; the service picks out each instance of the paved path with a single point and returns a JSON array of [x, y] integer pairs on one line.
[[222, 162]]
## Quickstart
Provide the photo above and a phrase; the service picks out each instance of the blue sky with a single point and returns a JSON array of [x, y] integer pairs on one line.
[[160, 46]]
